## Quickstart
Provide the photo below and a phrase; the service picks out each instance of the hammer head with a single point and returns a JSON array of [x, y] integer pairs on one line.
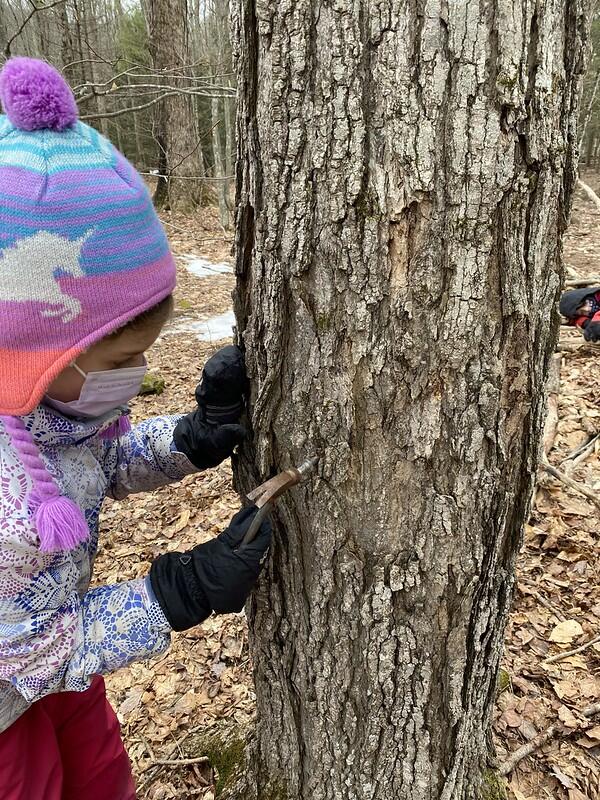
[[273, 488]]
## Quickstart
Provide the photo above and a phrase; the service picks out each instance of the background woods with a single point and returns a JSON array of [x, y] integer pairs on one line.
[[134, 64], [154, 76]]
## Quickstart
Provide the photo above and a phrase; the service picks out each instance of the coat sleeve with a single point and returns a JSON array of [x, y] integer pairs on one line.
[[51, 639], [145, 458]]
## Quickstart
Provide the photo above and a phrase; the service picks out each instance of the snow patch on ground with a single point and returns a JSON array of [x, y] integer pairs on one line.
[[207, 330], [203, 268]]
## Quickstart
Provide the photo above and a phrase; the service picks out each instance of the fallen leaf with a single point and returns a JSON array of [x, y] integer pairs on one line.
[[575, 794], [562, 778], [183, 520], [567, 717], [566, 631], [131, 702], [512, 719], [564, 689], [517, 793], [594, 733], [528, 730], [589, 744]]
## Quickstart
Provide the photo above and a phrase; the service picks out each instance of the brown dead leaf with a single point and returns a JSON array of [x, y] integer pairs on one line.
[[594, 733], [566, 631], [567, 717], [564, 689], [583, 741], [131, 702], [512, 719], [517, 793], [590, 687], [527, 730], [183, 520], [575, 794], [563, 779], [186, 704]]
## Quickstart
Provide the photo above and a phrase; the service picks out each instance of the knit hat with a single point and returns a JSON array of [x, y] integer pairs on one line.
[[82, 252]]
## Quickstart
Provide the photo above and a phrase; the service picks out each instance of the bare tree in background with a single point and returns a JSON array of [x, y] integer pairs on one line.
[[405, 176], [176, 125], [161, 118]]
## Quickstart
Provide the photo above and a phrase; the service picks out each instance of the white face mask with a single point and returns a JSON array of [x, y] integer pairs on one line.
[[102, 391]]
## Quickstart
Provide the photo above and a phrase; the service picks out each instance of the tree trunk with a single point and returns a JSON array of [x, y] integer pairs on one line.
[[176, 128], [405, 172], [221, 185], [67, 46], [596, 142], [89, 30]]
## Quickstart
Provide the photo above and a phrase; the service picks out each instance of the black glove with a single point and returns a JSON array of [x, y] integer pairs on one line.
[[214, 576], [220, 394], [204, 444], [591, 332], [210, 434]]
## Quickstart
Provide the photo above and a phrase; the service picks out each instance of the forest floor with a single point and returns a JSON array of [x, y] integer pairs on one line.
[[205, 677]]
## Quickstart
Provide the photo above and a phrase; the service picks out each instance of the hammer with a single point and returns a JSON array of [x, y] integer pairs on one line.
[[265, 494]]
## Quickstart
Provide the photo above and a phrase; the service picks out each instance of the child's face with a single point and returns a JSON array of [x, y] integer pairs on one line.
[[123, 350]]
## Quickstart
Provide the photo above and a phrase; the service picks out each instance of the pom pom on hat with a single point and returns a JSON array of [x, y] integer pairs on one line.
[[35, 96]]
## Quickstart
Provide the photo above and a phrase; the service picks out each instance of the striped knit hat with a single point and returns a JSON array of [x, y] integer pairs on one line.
[[82, 252]]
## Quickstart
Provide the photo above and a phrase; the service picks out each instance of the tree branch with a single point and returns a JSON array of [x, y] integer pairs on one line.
[[595, 279], [538, 741], [577, 487], [568, 653], [133, 109], [590, 193], [34, 10]]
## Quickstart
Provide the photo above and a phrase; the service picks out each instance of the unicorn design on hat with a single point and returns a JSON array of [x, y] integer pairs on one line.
[[41, 256]]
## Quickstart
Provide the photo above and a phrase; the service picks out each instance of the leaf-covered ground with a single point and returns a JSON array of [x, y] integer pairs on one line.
[[205, 677]]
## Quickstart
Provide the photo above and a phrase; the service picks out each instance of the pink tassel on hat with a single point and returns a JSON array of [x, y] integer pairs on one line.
[[60, 523]]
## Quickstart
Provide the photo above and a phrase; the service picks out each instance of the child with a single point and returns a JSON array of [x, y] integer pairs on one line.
[[86, 278], [582, 308]]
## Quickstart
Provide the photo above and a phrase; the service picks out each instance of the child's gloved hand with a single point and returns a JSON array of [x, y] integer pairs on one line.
[[221, 391], [204, 444], [214, 576], [591, 332], [210, 434]]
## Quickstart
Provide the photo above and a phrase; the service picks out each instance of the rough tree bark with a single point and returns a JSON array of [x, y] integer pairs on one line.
[[404, 176], [176, 126]]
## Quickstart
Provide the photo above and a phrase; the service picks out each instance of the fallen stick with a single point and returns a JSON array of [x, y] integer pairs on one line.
[[577, 487], [178, 762], [583, 348], [575, 283], [573, 461], [540, 598], [568, 653], [575, 454], [544, 736], [590, 193], [156, 766]]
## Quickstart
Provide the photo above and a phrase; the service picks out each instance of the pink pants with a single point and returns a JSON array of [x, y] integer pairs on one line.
[[66, 746]]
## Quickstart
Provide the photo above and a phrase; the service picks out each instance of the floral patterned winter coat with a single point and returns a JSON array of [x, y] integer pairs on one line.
[[55, 632]]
